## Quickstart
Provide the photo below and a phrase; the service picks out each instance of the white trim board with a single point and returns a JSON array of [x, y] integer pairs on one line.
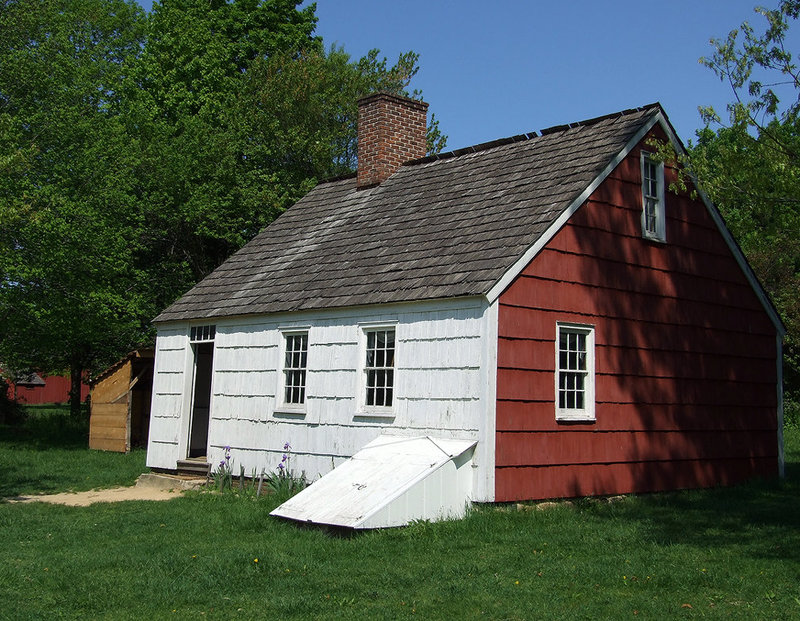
[[658, 118], [559, 222]]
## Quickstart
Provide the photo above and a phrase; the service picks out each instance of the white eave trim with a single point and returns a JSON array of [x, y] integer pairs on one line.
[[551, 231], [559, 222]]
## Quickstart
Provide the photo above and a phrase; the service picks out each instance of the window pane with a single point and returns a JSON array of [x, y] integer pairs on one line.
[[295, 359], [573, 366], [378, 374]]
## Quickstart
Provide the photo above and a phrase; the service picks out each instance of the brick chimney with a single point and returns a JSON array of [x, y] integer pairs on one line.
[[391, 130]]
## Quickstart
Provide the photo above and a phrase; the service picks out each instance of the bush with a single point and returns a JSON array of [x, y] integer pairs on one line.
[[11, 412], [791, 414]]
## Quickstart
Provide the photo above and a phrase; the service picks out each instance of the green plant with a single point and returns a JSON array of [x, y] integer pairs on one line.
[[223, 475], [285, 483], [11, 413], [791, 414]]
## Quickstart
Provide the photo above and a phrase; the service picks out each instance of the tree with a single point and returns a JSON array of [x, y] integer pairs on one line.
[[70, 296], [246, 112], [137, 153], [749, 164]]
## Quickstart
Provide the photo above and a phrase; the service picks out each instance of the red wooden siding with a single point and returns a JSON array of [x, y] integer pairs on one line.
[[55, 390], [685, 356]]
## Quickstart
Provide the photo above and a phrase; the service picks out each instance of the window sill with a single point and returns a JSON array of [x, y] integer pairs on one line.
[[367, 416], [285, 412], [654, 238], [575, 418]]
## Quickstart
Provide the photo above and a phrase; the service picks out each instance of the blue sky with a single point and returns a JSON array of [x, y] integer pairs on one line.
[[495, 70]]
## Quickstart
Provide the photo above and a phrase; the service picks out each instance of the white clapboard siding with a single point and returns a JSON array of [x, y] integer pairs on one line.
[[169, 386], [440, 377], [244, 383], [232, 358]]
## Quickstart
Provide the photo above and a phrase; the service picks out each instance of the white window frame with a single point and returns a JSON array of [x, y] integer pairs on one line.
[[658, 231], [587, 412], [202, 333], [283, 370], [363, 371]]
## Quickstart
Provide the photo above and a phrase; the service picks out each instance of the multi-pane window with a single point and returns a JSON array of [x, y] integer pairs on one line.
[[294, 368], [575, 372], [653, 222], [379, 367], [201, 334]]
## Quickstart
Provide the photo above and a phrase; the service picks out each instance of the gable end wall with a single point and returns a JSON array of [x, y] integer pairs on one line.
[[685, 356]]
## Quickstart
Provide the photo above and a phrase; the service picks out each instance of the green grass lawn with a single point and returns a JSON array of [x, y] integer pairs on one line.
[[723, 553], [49, 453]]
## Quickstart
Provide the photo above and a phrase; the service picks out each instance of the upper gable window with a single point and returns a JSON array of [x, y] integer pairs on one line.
[[653, 217]]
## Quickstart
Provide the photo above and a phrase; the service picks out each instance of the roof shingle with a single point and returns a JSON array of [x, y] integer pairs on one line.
[[443, 226]]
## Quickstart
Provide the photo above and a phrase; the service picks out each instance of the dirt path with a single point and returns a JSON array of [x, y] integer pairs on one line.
[[117, 494]]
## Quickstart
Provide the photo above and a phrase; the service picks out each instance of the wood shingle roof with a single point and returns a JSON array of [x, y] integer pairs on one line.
[[441, 227]]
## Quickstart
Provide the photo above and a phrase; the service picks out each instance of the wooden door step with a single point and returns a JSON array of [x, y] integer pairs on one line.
[[198, 466]]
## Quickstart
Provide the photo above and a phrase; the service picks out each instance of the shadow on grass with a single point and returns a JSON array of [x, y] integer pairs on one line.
[[761, 518], [46, 427], [49, 452]]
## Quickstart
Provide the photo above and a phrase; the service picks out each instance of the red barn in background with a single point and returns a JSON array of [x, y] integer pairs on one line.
[[38, 389]]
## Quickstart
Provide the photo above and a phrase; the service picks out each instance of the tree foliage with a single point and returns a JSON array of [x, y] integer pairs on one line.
[[138, 151], [70, 293], [749, 162]]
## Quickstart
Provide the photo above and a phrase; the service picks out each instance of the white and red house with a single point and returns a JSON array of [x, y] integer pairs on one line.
[[543, 298]]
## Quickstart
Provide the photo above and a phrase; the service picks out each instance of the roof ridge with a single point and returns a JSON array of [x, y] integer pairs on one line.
[[483, 146], [598, 119], [342, 177]]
